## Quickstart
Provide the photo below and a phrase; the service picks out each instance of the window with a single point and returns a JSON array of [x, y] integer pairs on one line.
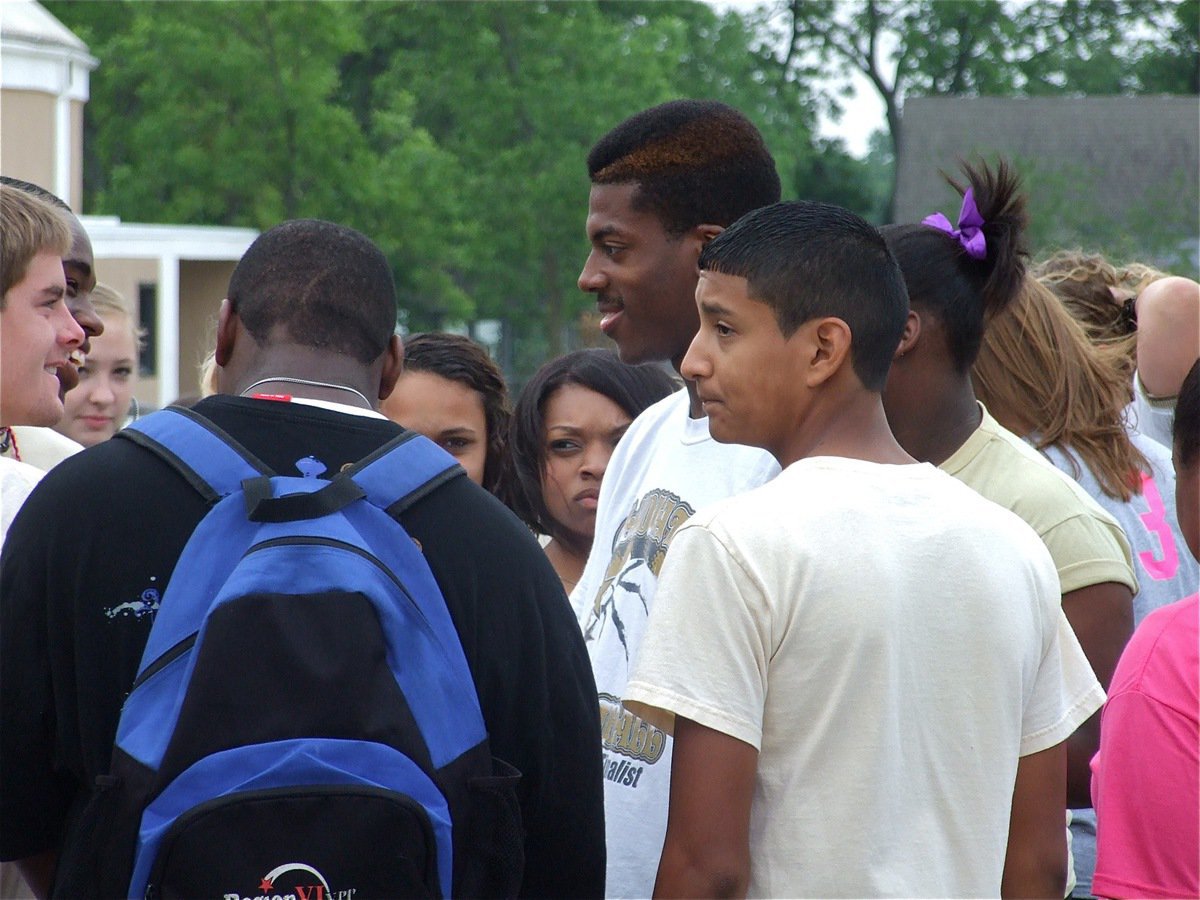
[[148, 317]]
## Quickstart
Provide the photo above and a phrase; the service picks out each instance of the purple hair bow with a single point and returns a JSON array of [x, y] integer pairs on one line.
[[969, 232]]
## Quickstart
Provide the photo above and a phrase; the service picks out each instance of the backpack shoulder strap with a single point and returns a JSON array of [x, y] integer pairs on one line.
[[403, 471], [208, 458]]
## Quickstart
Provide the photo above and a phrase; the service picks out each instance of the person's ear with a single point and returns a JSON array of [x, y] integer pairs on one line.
[[227, 329], [829, 350], [699, 237], [910, 335], [393, 367]]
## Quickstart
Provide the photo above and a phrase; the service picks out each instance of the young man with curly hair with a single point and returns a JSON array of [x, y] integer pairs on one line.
[[664, 183]]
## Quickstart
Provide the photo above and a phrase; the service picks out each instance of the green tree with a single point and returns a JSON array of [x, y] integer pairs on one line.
[[454, 134], [934, 46], [231, 114], [234, 95], [1109, 46], [519, 92], [1173, 67], [516, 93]]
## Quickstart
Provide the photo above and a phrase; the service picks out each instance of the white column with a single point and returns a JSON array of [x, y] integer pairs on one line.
[[62, 142], [168, 329]]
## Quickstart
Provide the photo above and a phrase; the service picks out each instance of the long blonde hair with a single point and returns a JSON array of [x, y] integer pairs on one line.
[[1040, 376], [1094, 290], [208, 375]]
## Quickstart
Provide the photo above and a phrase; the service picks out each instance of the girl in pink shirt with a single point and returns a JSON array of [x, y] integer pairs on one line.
[[1146, 777]]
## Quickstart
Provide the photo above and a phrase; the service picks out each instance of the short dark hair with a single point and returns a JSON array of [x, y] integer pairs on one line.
[[695, 162], [633, 388], [36, 190], [327, 285], [1186, 429], [807, 260], [458, 358], [962, 292]]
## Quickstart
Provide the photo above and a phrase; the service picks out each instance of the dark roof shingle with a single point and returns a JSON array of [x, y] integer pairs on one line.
[[1117, 158]]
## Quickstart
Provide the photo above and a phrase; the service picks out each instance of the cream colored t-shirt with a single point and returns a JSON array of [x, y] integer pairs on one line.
[[891, 643], [1086, 543], [42, 448], [17, 481]]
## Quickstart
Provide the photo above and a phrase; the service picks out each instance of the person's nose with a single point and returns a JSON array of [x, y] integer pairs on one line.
[[695, 363], [595, 460], [592, 279], [70, 332], [85, 314], [100, 390]]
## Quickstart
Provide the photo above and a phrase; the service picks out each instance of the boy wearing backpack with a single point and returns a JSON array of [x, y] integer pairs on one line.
[[306, 348]]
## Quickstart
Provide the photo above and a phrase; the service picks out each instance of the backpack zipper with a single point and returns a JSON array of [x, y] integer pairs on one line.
[[166, 659], [341, 545], [186, 644]]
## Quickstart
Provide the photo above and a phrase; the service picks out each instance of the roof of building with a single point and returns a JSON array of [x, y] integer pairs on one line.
[[1112, 157], [25, 20], [114, 239]]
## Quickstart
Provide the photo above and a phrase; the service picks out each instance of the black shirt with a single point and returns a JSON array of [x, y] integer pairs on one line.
[[93, 549]]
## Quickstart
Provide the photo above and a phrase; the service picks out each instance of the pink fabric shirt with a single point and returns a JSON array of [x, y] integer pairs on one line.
[[1146, 777]]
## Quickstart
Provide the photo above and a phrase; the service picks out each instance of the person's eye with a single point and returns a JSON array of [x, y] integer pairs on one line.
[[722, 330], [84, 372], [610, 250], [72, 287], [122, 373], [563, 446], [456, 445]]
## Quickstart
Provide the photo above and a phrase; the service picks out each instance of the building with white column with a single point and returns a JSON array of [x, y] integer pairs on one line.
[[173, 275]]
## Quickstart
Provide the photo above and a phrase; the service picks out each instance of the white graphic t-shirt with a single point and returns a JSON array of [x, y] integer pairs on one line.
[[665, 468]]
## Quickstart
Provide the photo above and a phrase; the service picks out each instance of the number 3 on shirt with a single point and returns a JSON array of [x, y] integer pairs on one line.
[[1155, 521]]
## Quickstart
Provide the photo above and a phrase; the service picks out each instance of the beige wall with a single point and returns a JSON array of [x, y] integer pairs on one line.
[[27, 136], [125, 276], [202, 286]]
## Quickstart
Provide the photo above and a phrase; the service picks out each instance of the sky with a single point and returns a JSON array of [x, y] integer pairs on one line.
[[863, 113]]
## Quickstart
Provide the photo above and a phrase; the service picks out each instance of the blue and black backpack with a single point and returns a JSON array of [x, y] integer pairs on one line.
[[303, 724]]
